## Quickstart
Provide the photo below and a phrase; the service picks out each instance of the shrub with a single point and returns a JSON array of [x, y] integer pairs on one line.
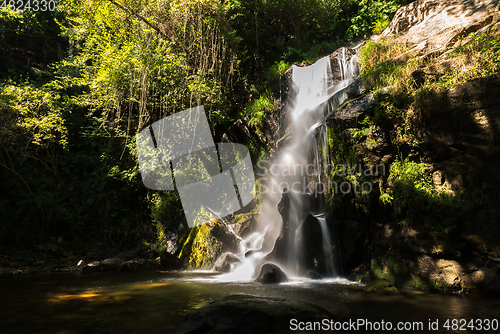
[[416, 198]]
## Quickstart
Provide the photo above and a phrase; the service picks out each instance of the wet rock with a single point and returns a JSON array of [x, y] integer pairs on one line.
[[381, 287], [356, 89], [91, 268], [250, 253], [81, 263], [169, 261], [49, 268], [224, 262], [4, 272], [206, 243], [129, 266], [110, 264], [361, 273], [271, 274], [17, 272], [352, 241], [313, 252], [248, 314], [460, 273], [313, 275], [348, 115]]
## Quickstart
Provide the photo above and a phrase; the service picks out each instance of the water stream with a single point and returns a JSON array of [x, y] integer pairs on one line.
[[158, 302], [297, 169]]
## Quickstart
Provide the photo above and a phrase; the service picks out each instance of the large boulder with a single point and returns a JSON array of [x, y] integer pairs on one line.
[[249, 314], [206, 243], [431, 26], [271, 274]]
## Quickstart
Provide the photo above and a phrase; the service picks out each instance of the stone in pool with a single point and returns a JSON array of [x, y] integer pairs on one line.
[[271, 274], [250, 314]]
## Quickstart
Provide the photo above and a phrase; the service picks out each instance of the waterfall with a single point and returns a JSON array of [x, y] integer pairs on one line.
[[327, 248], [298, 169]]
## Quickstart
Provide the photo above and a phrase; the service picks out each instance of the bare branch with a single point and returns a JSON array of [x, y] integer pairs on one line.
[[140, 17]]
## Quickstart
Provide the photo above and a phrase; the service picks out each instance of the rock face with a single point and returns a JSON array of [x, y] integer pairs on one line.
[[457, 136], [207, 243], [459, 140], [271, 274], [431, 26], [309, 236], [424, 272], [248, 314]]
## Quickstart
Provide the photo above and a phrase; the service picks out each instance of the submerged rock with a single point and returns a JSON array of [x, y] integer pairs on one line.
[[271, 274], [381, 287], [313, 275], [250, 314]]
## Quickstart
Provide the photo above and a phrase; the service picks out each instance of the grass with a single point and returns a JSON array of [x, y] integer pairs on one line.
[[387, 63], [404, 81], [257, 111]]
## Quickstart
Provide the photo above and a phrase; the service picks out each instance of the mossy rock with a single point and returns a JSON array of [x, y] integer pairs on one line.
[[205, 248], [417, 283], [381, 287], [396, 269]]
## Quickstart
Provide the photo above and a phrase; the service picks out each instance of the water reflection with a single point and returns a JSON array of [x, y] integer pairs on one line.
[[157, 303]]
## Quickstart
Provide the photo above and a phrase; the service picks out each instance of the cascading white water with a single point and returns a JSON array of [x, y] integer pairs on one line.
[[327, 247], [297, 169]]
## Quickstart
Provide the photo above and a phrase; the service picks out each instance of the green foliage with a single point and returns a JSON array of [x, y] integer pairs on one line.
[[257, 111], [372, 15], [28, 43], [385, 198], [278, 69], [288, 30], [347, 166], [413, 174], [380, 25], [31, 116], [415, 197], [77, 87]]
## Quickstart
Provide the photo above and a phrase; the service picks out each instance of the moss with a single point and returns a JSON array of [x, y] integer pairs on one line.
[[398, 270], [387, 268], [381, 287], [377, 269], [364, 278], [205, 249], [186, 246], [442, 287], [416, 283]]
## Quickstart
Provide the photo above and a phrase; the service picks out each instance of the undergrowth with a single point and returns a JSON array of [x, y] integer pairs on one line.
[[404, 83], [416, 199]]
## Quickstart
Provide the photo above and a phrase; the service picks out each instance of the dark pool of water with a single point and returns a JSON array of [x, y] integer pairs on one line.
[[157, 303]]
